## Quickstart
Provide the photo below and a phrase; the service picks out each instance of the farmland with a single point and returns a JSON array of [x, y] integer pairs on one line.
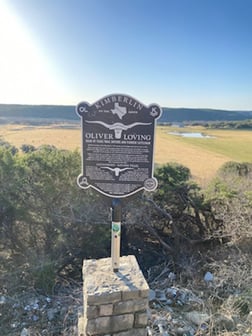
[[203, 156]]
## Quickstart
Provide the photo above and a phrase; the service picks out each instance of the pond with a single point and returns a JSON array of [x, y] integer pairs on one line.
[[191, 134]]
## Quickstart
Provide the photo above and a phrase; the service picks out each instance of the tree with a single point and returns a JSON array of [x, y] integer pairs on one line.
[[7, 145], [10, 211], [28, 148], [171, 221], [45, 215], [182, 198]]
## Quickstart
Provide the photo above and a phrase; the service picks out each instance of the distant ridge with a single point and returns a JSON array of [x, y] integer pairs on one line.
[[201, 115], [15, 112], [58, 112]]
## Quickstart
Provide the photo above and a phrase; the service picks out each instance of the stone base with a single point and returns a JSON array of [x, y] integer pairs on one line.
[[115, 303]]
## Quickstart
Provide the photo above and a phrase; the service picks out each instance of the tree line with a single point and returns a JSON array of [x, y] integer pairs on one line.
[[243, 124]]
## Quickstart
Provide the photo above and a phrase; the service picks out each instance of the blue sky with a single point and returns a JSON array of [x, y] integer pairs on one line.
[[176, 53]]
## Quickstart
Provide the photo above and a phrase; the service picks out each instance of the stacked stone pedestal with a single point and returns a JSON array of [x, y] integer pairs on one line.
[[115, 303]]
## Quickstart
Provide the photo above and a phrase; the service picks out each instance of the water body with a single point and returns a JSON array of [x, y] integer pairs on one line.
[[191, 134]]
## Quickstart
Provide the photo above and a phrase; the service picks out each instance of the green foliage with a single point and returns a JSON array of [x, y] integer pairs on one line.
[[236, 169], [7, 145], [231, 199], [222, 191], [231, 177], [244, 124], [172, 222], [10, 184], [28, 148], [48, 225], [175, 189], [43, 276], [172, 175], [44, 213], [180, 213], [232, 180]]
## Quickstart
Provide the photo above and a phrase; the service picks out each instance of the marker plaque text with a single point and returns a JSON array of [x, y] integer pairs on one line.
[[117, 145]]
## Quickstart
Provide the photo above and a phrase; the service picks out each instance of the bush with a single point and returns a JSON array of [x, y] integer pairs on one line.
[[231, 198], [45, 214], [173, 222]]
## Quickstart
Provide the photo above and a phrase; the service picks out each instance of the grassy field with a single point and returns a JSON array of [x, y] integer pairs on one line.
[[60, 135], [204, 156]]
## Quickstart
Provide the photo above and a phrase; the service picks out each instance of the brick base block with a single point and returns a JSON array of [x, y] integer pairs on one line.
[[115, 303]]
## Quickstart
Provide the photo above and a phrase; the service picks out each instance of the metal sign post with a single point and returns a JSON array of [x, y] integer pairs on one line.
[[117, 145], [117, 152], [116, 233]]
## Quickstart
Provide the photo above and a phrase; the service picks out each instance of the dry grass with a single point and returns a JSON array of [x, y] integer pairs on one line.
[[42, 135], [202, 163], [202, 156]]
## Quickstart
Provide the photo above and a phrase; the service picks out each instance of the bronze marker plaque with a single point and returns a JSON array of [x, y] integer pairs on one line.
[[117, 145]]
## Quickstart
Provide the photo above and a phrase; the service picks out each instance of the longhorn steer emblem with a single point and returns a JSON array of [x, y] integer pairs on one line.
[[117, 127], [117, 170]]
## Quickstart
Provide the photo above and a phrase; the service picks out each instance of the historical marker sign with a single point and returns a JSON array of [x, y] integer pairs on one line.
[[117, 145]]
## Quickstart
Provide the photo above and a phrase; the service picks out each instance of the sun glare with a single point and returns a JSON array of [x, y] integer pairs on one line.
[[25, 73]]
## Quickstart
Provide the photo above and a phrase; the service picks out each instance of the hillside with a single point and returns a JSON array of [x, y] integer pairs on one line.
[[14, 112], [190, 114]]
